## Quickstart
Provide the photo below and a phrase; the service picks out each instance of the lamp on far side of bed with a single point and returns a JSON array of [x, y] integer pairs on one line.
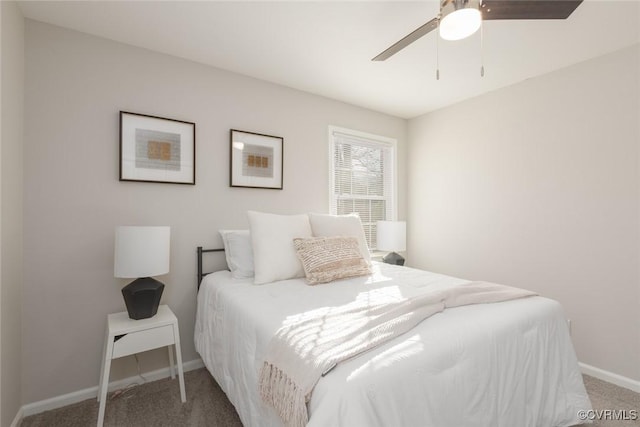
[[392, 237], [142, 252]]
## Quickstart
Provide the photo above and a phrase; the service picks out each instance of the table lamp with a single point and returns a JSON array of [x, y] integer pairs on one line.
[[142, 252], [392, 237]]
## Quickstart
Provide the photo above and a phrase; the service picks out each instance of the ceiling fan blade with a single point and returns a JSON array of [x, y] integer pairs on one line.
[[407, 40], [528, 9], [495, 10]]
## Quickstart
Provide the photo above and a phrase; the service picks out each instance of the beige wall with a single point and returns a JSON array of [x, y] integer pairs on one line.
[[538, 185], [12, 87], [76, 84]]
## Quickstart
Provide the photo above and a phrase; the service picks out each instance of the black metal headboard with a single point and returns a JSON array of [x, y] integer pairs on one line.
[[200, 252]]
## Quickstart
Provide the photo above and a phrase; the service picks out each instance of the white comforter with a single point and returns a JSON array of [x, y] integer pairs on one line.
[[509, 364]]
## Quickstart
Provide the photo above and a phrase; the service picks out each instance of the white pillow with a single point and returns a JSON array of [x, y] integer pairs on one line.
[[274, 254], [324, 225], [239, 253]]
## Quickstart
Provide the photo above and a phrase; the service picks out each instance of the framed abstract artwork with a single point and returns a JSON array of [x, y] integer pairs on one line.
[[256, 160], [157, 149]]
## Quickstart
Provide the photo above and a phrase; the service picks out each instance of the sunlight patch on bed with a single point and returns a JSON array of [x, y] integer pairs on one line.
[[366, 299], [379, 296], [314, 329], [376, 276]]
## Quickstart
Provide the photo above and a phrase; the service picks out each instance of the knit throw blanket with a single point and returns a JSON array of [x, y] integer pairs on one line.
[[310, 345]]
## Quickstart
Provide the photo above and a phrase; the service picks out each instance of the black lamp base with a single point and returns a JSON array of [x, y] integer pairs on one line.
[[142, 297], [393, 258]]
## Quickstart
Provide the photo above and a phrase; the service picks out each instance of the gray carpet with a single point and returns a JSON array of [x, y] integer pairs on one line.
[[606, 396], [158, 404]]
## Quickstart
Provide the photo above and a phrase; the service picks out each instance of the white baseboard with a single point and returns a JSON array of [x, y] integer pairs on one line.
[[610, 377], [18, 419], [92, 392]]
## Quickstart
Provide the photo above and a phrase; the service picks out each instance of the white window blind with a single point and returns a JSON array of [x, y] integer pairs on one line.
[[362, 178]]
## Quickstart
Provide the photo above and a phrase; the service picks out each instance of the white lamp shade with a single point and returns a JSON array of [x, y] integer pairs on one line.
[[461, 23], [392, 236], [141, 251]]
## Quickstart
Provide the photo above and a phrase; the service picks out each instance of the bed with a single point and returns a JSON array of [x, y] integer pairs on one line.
[[504, 364]]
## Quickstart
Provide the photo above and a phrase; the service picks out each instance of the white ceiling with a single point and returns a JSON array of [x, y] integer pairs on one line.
[[326, 47]]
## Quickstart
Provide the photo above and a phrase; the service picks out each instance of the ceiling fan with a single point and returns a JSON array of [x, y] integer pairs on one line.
[[461, 18]]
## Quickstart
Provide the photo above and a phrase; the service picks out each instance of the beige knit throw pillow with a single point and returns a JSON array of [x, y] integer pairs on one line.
[[326, 259]]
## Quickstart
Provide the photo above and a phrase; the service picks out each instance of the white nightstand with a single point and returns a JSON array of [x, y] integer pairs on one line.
[[126, 336]]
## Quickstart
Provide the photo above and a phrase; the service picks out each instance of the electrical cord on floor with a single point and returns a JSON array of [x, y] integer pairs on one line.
[[121, 392], [144, 380]]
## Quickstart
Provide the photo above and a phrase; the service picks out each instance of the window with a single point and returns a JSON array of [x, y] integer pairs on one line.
[[362, 177]]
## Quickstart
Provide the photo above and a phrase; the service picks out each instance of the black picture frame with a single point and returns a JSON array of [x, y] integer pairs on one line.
[[256, 160], [157, 149]]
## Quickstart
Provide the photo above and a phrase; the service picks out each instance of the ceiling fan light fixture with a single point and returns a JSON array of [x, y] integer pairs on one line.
[[459, 19]]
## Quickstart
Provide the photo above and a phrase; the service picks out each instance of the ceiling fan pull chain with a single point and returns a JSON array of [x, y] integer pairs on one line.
[[482, 48], [438, 50]]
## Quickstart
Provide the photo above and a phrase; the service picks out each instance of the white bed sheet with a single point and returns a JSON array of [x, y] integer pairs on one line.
[[508, 364]]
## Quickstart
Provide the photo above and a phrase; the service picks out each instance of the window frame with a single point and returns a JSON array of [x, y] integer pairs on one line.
[[383, 142]]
